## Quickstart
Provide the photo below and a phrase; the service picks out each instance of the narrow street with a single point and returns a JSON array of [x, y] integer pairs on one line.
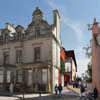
[[66, 95]]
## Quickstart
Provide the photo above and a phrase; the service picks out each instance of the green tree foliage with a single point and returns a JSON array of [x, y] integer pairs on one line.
[[78, 79], [62, 66], [89, 73], [88, 50]]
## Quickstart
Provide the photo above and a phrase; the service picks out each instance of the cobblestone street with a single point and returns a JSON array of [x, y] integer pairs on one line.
[[66, 95]]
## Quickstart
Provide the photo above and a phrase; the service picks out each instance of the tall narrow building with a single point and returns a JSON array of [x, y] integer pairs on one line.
[[96, 55]]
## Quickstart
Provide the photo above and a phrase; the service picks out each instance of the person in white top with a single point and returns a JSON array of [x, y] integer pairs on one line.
[[11, 88]]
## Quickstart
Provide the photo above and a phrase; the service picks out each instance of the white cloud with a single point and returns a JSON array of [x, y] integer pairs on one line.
[[78, 28], [82, 60], [75, 26], [82, 65]]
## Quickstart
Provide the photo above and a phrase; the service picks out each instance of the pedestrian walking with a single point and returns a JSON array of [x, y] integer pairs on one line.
[[82, 89], [60, 89], [95, 92], [39, 89], [11, 87], [56, 89]]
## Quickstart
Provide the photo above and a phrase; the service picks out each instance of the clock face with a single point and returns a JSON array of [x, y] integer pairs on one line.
[[98, 39]]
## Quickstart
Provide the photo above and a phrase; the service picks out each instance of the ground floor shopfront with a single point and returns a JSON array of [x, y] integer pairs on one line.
[[38, 77], [7, 74], [33, 77]]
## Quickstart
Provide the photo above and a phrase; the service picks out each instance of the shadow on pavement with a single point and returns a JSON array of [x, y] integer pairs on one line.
[[53, 97]]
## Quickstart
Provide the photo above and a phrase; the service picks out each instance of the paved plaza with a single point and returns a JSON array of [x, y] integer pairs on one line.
[[66, 95]]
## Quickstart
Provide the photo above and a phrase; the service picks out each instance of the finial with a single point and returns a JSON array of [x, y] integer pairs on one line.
[[95, 20], [37, 8]]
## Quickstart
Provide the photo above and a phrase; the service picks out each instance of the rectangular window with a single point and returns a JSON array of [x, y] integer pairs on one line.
[[6, 57], [8, 76], [37, 54], [6, 37], [68, 67], [18, 56], [30, 77], [1, 76], [19, 76], [44, 76]]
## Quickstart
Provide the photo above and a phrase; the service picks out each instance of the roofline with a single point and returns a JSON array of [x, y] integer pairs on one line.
[[72, 54]]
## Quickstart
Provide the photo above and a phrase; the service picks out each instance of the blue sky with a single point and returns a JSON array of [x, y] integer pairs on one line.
[[75, 15]]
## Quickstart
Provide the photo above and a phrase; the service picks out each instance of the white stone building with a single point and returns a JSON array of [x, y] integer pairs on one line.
[[32, 55], [70, 67]]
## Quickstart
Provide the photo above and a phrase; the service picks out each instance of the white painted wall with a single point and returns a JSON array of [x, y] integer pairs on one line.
[[73, 71]]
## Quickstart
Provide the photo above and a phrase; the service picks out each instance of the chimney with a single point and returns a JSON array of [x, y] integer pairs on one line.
[[56, 17], [56, 24]]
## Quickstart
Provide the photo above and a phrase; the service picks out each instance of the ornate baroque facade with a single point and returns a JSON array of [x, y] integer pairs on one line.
[[32, 55]]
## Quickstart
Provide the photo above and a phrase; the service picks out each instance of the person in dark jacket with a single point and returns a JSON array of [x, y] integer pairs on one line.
[[82, 89], [95, 92], [60, 89], [56, 89]]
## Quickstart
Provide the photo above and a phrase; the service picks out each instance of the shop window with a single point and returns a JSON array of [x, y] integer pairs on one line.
[[68, 67]]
